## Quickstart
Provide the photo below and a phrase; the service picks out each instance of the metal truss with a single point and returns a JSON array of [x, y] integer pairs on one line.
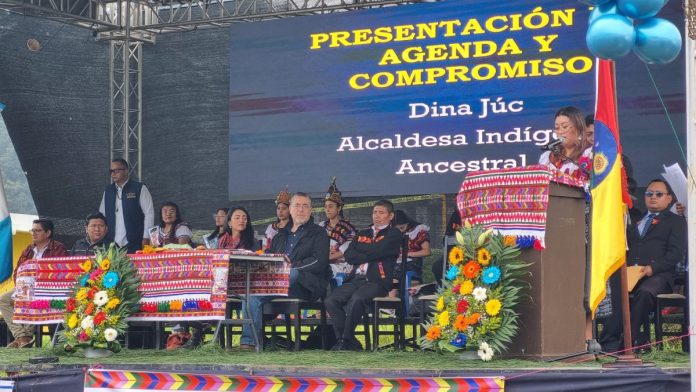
[[126, 105], [114, 19]]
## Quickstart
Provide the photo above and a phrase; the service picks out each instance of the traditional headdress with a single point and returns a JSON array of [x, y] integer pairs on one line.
[[333, 194], [283, 197]]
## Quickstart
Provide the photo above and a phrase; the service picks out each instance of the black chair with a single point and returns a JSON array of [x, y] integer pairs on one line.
[[224, 331], [399, 306], [293, 309], [680, 318]]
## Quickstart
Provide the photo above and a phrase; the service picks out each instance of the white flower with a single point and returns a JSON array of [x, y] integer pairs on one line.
[[485, 352], [110, 334], [87, 323], [479, 294], [101, 298]]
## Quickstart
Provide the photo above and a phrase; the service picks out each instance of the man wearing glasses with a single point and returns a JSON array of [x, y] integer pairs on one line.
[[42, 246], [128, 208], [657, 243]]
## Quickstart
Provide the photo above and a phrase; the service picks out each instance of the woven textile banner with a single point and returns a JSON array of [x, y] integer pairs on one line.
[[269, 274], [511, 201], [198, 280], [116, 380]]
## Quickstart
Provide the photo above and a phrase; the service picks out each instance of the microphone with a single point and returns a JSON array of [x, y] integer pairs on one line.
[[552, 145]]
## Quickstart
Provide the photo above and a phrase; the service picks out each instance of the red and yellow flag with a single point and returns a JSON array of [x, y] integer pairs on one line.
[[608, 189]]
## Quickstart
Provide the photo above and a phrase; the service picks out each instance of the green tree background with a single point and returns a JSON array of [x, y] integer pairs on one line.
[[19, 198]]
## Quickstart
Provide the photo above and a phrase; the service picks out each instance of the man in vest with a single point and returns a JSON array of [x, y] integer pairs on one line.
[[128, 208]]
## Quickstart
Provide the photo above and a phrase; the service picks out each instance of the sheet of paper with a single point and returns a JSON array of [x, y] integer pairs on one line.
[[633, 276], [677, 180]]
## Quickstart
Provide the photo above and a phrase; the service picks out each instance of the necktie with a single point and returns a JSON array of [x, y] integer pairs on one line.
[[646, 226]]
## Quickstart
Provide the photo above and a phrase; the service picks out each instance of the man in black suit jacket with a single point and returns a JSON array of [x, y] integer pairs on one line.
[[373, 255], [657, 243]]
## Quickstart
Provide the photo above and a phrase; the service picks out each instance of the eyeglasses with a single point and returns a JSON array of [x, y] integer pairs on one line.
[[656, 194], [112, 171]]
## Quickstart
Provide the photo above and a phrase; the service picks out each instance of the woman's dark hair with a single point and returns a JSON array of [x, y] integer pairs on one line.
[[289, 224], [216, 231], [172, 232], [401, 218], [575, 116], [246, 237]]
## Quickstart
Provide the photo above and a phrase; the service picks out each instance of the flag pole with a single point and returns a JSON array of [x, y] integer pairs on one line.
[[627, 359]]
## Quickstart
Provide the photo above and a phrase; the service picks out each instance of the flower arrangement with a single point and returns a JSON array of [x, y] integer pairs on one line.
[[103, 297], [475, 306]]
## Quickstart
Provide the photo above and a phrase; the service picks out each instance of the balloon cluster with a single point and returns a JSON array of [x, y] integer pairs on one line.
[[618, 26]]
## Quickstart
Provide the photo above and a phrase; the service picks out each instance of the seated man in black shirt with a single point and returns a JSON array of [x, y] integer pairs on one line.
[[373, 256], [96, 229]]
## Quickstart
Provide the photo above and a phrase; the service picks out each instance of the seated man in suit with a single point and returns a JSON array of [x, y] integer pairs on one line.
[[373, 256], [657, 243]]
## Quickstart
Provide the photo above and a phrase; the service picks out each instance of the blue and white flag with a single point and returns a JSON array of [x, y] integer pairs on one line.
[[5, 233]]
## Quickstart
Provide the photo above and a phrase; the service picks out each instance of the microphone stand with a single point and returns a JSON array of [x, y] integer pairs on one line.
[[557, 150]]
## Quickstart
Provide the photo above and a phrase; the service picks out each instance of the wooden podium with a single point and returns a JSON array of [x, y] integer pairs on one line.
[[553, 322]]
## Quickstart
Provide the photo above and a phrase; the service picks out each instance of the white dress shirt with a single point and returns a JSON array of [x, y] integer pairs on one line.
[[145, 205]]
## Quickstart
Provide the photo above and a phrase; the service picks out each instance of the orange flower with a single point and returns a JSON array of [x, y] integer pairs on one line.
[[472, 269], [148, 249], [509, 240], [89, 309], [473, 319], [433, 333], [460, 323]]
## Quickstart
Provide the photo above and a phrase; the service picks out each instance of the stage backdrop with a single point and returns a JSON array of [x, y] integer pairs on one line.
[[401, 100]]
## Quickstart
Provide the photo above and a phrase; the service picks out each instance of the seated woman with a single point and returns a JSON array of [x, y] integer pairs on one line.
[[172, 229], [418, 246], [574, 149], [211, 240], [239, 234]]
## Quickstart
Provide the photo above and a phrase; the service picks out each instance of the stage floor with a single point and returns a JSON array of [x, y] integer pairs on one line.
[[670, 373]]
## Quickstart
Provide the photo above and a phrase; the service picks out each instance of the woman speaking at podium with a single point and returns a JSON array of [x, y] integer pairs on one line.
[[571, 153]]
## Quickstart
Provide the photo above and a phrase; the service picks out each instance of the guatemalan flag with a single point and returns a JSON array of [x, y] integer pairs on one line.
[[5, 233], [608, 188]]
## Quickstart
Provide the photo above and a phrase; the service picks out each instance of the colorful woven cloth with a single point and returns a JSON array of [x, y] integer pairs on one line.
[[511, 201], [196, 280], [97, 380], [269, 275]]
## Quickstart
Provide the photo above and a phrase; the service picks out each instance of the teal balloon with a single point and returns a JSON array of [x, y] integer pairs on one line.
[[609, 8], [658, 41], [610, 37], [595, 2], [640, 9]]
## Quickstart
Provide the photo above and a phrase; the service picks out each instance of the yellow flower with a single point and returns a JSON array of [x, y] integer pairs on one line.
[[484, 256], [493, 307], [72, 321], [456, 255], [81, 294], [105, 264], [467, 287], [440, 303], [113, 302], [443, 319], [148, 249], [509, 240], [86, 266]]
